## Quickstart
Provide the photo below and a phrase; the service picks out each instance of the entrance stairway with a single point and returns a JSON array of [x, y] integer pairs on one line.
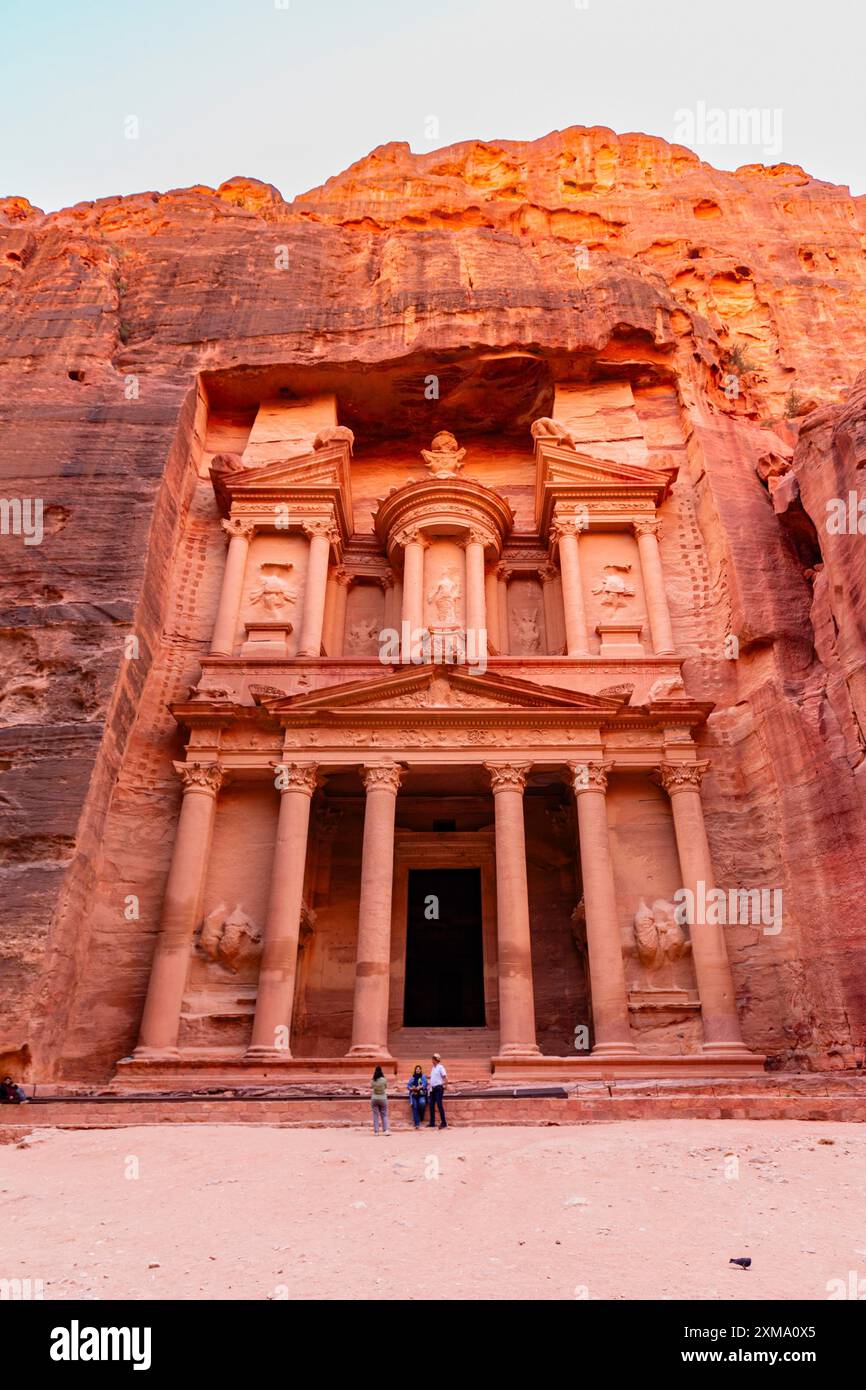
[[465, 1052]]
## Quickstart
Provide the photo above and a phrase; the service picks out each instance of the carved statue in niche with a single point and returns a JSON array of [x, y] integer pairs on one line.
[[659, 938], [527, 631], [666, 688], [362, 635], [546, 428], [272, 591], [444, 597], [613, 588], [229, 939], [444, 458]]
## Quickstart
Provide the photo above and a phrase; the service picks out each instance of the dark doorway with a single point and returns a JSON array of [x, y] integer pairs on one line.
[[444, 951]]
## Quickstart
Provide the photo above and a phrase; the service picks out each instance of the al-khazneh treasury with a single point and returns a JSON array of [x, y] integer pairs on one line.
[[434, 590]]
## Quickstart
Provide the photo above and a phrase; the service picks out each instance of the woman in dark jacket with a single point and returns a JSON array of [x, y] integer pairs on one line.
[[417, 1088]]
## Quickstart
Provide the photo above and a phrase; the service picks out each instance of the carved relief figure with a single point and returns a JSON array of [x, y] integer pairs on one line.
[[659, 938], [546, 428], [613, 588], [444, 597], [666, 688], [444, 458], [272, 590], [334, 434], [527, 631], [362, 635], [229, 939]]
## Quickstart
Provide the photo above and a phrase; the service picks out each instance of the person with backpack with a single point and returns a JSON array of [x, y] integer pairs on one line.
[[379, 1101]]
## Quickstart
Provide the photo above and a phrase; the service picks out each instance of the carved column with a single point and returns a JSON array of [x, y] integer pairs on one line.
[[682, 782], [276, 989], [373, 965], [503, 574], [240, 533], [342, 584], [320, 535], [548, 574], [516, 998], [413, 582], [603, 940], [181, 908], [476, 599], [391, 615], [564, 533], [647, 533], [491, 593]]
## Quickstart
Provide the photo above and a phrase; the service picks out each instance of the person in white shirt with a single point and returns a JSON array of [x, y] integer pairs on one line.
[[438, 1079]]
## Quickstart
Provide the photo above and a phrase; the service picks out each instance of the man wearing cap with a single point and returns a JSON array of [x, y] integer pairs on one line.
[[438, 1078]]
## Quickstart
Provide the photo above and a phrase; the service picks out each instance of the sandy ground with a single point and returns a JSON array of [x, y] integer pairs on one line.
[[650, 1209]]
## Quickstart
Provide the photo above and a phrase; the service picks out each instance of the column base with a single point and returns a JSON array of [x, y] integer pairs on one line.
[[614, 1049], [726, 1049], [371, 1051], [156, 1054], [528, 1050], [260, 1053]]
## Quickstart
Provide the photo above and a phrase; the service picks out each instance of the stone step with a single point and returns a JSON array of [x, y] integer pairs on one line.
[[597, 1102]]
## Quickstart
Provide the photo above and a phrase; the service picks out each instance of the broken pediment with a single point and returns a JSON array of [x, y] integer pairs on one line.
[[567, 476], [324, 472]]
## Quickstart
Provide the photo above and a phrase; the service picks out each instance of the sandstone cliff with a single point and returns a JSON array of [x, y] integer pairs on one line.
[[593, 253]]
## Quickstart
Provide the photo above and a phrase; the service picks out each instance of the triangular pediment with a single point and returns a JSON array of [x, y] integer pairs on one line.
[[320, 466], [565, 475], [443, 688], [563, 465], [323, 472]]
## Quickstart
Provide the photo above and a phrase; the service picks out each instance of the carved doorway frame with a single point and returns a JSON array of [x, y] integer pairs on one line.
[[444, 849]]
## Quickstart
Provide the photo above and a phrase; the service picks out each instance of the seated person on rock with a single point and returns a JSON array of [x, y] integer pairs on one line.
[[11, 1093]]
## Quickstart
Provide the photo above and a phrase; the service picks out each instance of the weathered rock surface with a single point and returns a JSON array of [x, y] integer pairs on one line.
[[497, 266]]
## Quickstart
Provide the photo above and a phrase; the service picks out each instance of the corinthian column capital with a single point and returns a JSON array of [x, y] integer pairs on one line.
[[316, 527], [588, 777], [476, 536], [507, 777], [201, 777], [386, 777], [296, 777], [411, 536], [678, 777], [239, 526], [648, 526]]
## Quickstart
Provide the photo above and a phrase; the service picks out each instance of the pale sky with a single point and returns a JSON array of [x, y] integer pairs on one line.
[[293, 91]]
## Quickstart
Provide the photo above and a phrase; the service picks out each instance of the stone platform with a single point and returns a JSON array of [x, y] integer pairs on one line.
[[815, 1097], [187, 1071]]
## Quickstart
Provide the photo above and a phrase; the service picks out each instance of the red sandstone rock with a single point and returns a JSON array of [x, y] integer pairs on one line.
[[502, 267]]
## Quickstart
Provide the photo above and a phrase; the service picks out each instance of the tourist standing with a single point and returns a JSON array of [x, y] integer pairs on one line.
[[438, 1080], [417, 1087], [379, 1101]]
